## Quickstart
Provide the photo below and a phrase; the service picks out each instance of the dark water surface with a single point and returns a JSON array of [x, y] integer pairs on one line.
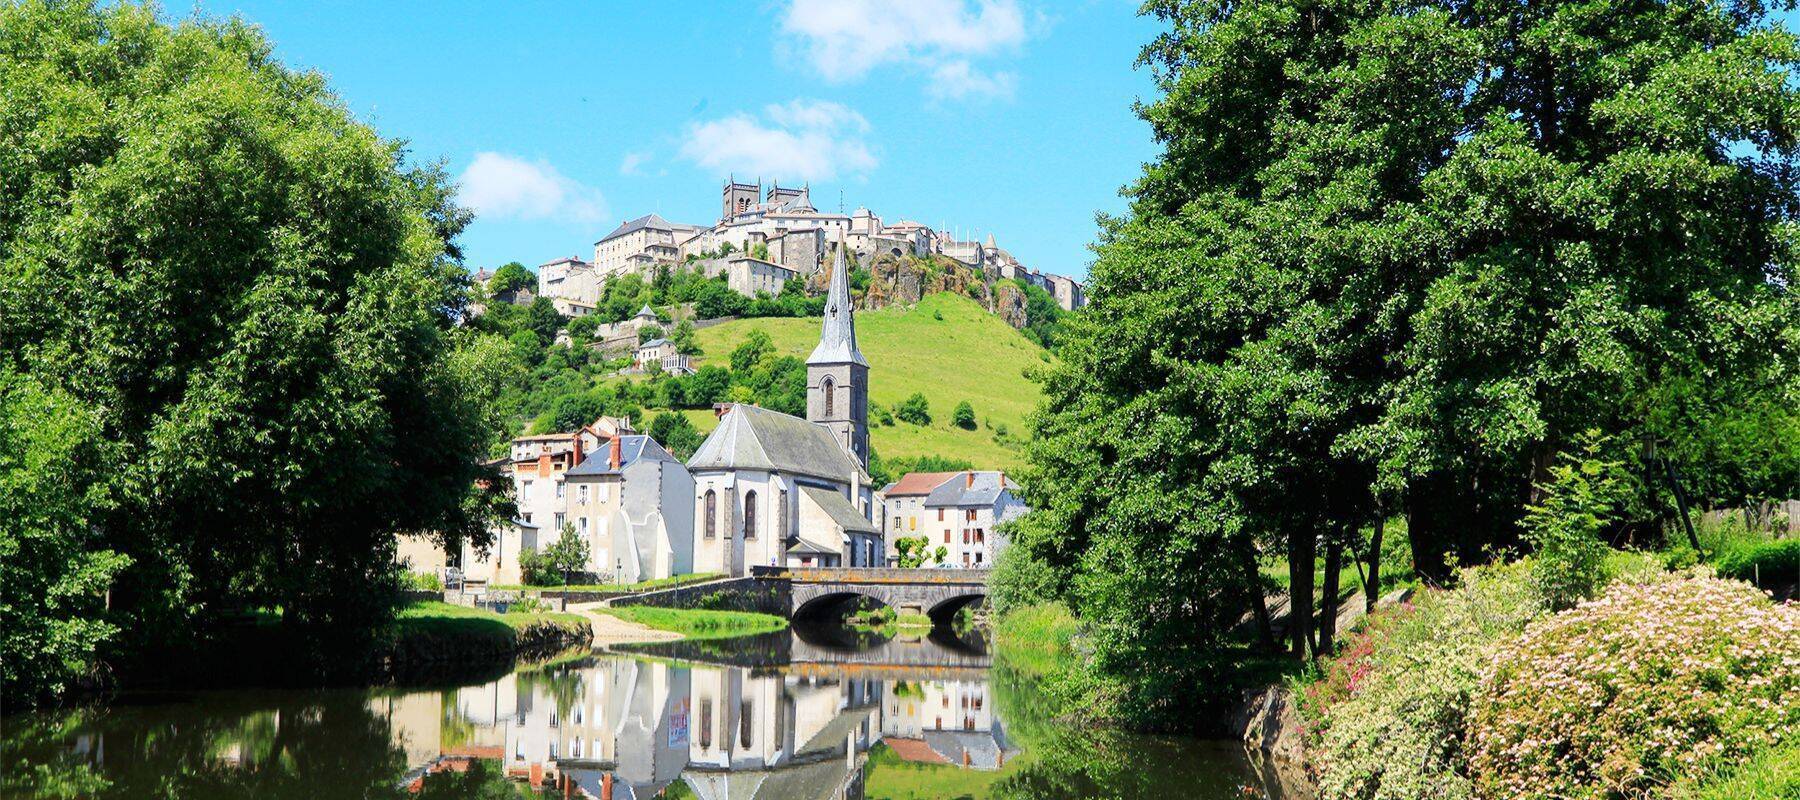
[[812, 714]]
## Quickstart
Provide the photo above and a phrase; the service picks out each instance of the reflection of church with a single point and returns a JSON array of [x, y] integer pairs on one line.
[[619, 728]]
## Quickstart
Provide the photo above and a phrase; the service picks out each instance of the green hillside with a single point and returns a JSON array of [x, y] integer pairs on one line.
[[947, 347]]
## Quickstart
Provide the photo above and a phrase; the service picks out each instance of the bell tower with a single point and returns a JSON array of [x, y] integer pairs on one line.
[[837, 375]]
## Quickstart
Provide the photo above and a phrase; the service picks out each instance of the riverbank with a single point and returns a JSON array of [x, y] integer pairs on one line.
[[432, 633], [684, 623]]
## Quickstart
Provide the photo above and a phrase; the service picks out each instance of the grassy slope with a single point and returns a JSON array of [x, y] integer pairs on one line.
[[968, 355], [435, 618]]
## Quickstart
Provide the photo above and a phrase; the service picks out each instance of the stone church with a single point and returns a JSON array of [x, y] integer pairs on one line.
[[772, 489]]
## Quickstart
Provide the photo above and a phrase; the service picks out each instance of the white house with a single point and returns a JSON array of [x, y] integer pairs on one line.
[[962, 513]]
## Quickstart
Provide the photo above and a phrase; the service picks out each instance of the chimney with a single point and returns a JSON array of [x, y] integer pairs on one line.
[[720, 410], [618, 451], [575, 461], [969, 480]]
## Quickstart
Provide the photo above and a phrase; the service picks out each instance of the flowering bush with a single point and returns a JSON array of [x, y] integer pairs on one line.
[[1386, 722], [1619, 696]]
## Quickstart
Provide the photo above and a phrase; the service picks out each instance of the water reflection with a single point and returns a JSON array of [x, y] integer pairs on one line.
[[815, 714]]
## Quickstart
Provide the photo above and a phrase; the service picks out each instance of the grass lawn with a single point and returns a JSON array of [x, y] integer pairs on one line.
[[969, 354], [640, 586], [891, 777], [697, 623], [1772, 774], [434, 618]]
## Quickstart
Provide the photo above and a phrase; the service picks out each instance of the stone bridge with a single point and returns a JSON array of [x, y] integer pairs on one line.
[[939, 593]]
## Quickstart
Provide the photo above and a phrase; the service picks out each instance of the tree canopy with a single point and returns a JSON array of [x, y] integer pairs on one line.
[[252, 300], [1393, 258]]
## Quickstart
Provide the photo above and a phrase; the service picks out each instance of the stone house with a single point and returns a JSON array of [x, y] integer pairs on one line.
[[903, 507], [631, 503], [638, 245], [963, 512]]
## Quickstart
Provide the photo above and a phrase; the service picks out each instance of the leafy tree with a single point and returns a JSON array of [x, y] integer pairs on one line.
[[963, 416], [708, 385], [714, 299], [273, 358], [582, 329], [915, 410], [511, 277], [53, 574], [1391, 259], [649, 332], [567, 556], [912, 550], [676, 434], [746, 356], [683, 338], [545, 321], [760, 250]]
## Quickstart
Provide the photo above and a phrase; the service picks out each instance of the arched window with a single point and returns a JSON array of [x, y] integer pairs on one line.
[[746, 722], [750, 515], [712, 514], [830, 390]]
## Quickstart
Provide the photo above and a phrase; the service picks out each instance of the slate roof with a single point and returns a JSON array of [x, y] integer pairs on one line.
[[839, 509], [837, 337], [957, 491], [657, 342], [914, 484], [651, 221], [751, 437], [631, 449]]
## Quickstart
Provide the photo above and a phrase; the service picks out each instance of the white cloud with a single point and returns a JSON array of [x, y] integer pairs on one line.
[[958, 80], [800, 140], [500, 186], [846, 39], [631, 162]]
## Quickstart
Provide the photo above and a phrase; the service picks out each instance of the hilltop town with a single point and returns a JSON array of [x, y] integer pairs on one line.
[[766, 238]]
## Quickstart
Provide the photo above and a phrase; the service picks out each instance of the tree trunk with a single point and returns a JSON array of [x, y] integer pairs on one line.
[[1259, 605], [1372, 586], [1302, 548], [1328, 604], [1681, 504]]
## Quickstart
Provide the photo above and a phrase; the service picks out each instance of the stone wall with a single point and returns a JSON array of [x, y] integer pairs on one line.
[[737, 594]]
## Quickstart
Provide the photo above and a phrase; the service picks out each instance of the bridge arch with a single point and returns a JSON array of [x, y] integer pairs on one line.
[[814, 604], [946, 608]]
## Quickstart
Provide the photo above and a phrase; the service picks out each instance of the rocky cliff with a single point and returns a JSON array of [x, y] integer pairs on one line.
[[903, 280]]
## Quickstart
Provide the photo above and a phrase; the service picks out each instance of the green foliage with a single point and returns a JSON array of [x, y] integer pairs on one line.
[[683, 337], [1767, 563], [676, 434], [1374, 270], [1387, 720], [698, 623], [569, 555], [54, 571], [1581, 500], [422, 581], [913, 551], [760, 250], [915, 410], [273, 353], [1043, 317], [756, 347], [880, 415], [649, 332], [511, 277], [582, 329], [1772, 774], [964, 416], [1654, 682]]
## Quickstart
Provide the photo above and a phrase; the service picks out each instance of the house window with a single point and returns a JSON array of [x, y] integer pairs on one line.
[[712, 514], [525, 490], [581, 525], [706, 730], [746, 722], [912, 524], [750, 515], [940, 515], [560, 521], [553, 751], [969, 515], [946, 536], [559, 490], [583, 493], [978, 558]]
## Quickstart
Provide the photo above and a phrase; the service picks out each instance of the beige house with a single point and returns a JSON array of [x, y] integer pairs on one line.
[[747, 275], [903, 506], [638, 245], [632, 503]]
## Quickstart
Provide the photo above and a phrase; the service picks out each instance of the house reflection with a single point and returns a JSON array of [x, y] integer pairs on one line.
[[618, 728]]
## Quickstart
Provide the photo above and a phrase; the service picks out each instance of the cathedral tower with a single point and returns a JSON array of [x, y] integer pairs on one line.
[[837, 376]]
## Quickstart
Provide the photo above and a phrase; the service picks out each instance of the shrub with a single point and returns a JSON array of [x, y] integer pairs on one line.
[[1387, 722], [1765, 562], [1581, 499], [964, 416], [421, 581], [915, 410], [1618, 697]]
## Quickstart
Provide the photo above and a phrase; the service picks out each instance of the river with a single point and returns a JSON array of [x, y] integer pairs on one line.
[[820, 712]]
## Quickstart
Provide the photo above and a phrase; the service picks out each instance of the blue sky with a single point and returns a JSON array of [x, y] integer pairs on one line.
[[1009, 117]]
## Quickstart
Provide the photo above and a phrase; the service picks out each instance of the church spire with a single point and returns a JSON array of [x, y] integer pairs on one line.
[[837, 338]]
